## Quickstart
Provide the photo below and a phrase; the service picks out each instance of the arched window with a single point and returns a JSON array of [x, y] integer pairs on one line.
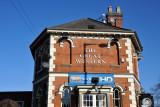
[[67, 44], [67, 53], [117, 97], [66, 97], [114, 45]]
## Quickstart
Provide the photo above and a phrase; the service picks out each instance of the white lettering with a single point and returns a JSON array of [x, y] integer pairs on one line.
[[81, 55], [94, 56], [91, 61], [94, 50], [87, 58], [99, 55], [106, 79], [78, 61], [89, 55], [87, 61], [99, 61], [103, 61], [90, 50]]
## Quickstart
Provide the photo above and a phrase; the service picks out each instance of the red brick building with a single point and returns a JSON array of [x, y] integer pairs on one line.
[[87, 63]]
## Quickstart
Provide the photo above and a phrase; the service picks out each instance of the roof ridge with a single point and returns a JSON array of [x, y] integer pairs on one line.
[[69, 22], [108, 24]]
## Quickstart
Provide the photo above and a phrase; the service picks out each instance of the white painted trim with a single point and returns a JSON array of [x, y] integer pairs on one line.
[[51, 78], [91, 37], [120, 87], [60, 74], [70, 40], [93, 90], [91, 32], [127, 76], [129, 53], [118, 42], [52, 50], [131, 80], [132, 97]]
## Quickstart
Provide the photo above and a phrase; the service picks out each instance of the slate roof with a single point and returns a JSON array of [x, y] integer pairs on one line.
[[83, 24]]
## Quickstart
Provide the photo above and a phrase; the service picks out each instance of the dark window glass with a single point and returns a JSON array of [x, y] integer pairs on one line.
[[117, 98]]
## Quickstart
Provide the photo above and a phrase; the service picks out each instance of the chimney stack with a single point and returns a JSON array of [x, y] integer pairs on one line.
[[114, 18]]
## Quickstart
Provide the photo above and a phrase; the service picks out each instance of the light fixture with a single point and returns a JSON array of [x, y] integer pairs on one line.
[[95, 81]]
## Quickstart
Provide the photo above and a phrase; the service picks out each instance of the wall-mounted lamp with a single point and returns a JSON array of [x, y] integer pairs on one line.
[[122, 60], [95, 81]]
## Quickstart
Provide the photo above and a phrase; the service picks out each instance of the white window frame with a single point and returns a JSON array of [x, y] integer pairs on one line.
[[94, 100], [117, 99]]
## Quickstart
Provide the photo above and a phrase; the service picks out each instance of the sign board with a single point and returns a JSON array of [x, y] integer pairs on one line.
[[85, 79], [146, 100]]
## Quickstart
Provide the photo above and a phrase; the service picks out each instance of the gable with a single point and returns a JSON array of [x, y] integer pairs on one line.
[[88, 24]]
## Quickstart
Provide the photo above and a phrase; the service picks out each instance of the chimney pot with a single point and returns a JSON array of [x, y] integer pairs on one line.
[[118, 9], [110, 9]]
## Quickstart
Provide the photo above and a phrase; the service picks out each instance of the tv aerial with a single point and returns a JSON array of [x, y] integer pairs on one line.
[[101, 17]]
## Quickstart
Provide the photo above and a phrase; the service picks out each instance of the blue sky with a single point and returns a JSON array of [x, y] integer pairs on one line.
[[16, 62]]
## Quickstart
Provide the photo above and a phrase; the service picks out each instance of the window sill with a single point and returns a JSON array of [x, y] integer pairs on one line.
[[66, 64], [115, 66]]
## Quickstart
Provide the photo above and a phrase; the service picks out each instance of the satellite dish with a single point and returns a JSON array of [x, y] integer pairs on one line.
[[45, 64], [112, 20]]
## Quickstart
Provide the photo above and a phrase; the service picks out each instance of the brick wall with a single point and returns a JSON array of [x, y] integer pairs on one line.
[[103, 60], [58, 82]]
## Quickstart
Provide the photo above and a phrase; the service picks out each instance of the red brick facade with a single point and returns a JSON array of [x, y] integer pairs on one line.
[[100, 60]]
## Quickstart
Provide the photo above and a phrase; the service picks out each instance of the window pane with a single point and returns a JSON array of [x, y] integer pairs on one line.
[[99, 100], [116, 94], [90, 97], [91, 103], [66, 97], [87, 103], [117, 103], [84, 97], [117, 98], [87, 97], [84, 103]]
